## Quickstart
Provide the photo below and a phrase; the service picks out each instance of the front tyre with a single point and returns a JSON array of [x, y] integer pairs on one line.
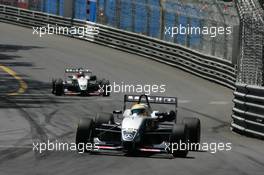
[[58, 85], [194, 130], [84, 134], [53, 86], [178, 140]]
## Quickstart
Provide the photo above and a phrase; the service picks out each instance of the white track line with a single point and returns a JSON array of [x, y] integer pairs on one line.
[[219, 102]]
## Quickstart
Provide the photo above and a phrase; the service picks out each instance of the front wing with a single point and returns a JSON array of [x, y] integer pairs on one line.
[[108, 137]]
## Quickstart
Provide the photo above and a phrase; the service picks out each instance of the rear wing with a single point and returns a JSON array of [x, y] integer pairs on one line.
[[150, 99], [70, 70]]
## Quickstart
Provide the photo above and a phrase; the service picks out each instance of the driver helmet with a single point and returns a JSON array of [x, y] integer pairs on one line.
[[80, 74], [139, 109]]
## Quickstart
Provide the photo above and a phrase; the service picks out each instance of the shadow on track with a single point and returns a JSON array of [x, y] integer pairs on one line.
[[9, 84], [6, 58], [139, 155]]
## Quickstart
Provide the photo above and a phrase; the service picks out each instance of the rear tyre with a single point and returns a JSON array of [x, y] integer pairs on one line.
[[194, 130], [178, 140], [59, 87], [84, 134]]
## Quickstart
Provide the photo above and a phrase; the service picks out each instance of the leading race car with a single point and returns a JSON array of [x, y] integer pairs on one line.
[[80, 82], [141, 129]]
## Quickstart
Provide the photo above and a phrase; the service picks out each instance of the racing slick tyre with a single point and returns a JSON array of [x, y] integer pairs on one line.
[[106, 118], [178, 140], [53, 86], [194, 130], [58, 87], [84, 134]]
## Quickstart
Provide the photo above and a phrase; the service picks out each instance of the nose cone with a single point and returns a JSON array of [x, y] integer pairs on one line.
[[130, 127], [132, 122], [82, 83]]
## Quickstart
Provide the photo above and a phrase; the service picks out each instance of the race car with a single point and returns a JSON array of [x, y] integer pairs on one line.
[[140, 129], [80, 82]]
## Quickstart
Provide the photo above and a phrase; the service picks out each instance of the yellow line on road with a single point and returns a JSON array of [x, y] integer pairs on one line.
[[22, 83]]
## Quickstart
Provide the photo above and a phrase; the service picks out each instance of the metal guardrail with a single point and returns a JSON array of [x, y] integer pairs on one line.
[[248, 112], [208, 67]]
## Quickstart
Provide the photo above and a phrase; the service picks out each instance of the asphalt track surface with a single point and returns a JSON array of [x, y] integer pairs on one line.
[[36, 115]]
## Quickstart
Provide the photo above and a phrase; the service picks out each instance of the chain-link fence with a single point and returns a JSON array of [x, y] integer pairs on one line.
[[155, 17], [251, 66], [36, 5]]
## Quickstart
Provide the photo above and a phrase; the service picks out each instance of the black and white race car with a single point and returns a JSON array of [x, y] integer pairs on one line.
[[140, 129], [80, 82]]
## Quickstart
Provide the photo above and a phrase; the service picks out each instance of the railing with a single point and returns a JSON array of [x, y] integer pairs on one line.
[[248, 112], [208, 67]]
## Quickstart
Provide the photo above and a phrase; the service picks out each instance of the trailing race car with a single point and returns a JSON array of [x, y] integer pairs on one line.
[[141, 129], [80, 82]]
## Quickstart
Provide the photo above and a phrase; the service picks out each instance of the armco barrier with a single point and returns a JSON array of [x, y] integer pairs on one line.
[[208, 67], [248, 112]]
